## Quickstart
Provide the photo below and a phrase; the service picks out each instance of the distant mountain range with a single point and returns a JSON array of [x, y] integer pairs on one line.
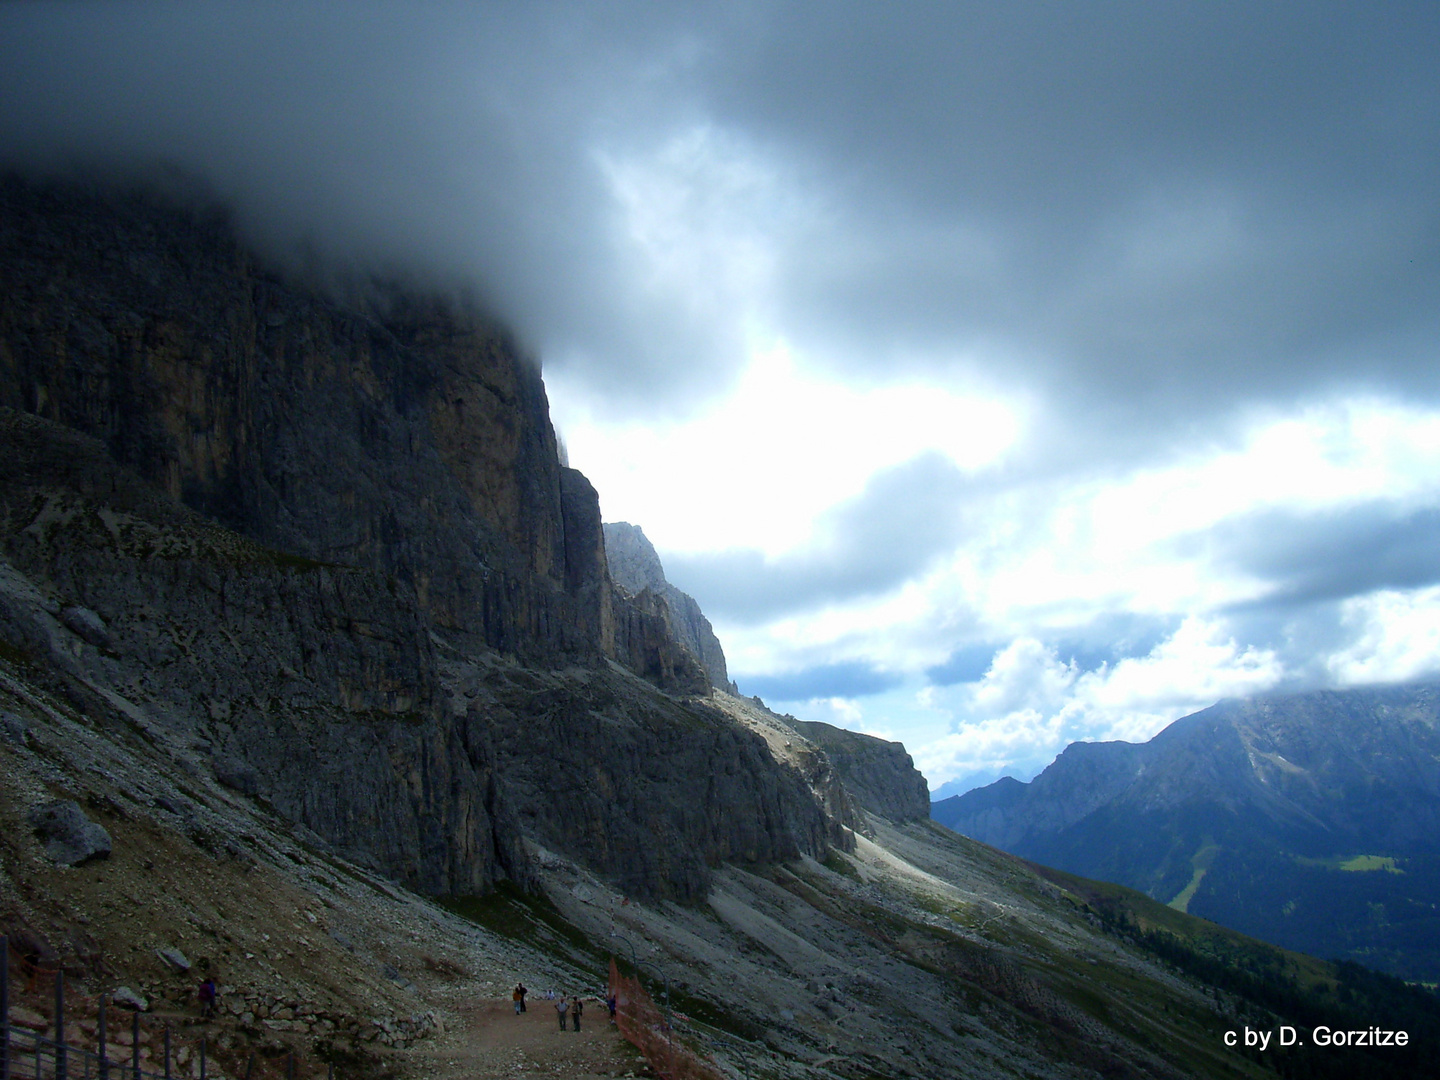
[[1309, 820]]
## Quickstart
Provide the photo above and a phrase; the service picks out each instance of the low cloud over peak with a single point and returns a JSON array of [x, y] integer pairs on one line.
[[1092, 342], [1169, 209]]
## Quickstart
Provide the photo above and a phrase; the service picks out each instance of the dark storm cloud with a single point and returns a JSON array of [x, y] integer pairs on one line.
[[1313, 558], [1139, 211], [905, 517], [1180, 204], [852, 679]]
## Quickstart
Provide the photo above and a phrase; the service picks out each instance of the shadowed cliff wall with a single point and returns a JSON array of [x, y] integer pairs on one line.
[[402, 435]]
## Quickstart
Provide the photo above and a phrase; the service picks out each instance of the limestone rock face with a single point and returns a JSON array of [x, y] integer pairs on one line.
[[311, 685], [636, 568], [399, 435], [880, 775], [651, 792]]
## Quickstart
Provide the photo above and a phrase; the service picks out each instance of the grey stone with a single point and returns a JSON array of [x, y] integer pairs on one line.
[[614, 756], [175, 958], [238, 774], [13, 729], [129, 999], [85, 624], [70, 837]]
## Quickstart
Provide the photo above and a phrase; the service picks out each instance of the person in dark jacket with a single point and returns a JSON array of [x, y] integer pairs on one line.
[[576, 1008]]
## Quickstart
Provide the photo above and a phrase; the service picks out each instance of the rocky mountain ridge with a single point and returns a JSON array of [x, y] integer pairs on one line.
[[399, 434], [879, 774]]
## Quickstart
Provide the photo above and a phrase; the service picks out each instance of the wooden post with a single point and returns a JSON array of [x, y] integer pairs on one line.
[[167, 1052], [4, 1008], [250, 1065], [100, 1034], [60, 1055], [202, 1059]]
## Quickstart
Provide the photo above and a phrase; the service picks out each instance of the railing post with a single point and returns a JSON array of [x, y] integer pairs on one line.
[[4, 1008], [249, 1066], [60, 1055], [167, 1052], [202, 1059], [100, 1035], [135, 1044], [290, 1066]]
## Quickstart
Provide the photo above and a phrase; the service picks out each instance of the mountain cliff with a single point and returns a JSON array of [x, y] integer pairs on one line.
[[1309, 820], [306, 524], [636, 568], [879, 774]]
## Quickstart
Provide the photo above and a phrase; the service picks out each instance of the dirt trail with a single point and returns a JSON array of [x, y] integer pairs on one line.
[[495, 1044]]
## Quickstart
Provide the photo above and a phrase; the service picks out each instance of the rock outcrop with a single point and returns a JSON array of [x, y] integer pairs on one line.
[[880, 775], [636, 568], [70, 837], [651, 792]]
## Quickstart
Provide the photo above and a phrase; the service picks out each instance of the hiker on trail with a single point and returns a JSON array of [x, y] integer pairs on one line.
[[560, 1007], [209, 996], [518, 998], [611, 1003], [576, 1008], [521, 987]]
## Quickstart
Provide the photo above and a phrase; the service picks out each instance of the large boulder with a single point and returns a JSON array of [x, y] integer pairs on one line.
[[70, 837]]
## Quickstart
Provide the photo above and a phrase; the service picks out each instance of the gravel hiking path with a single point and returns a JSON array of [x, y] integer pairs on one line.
[[495, 1044]]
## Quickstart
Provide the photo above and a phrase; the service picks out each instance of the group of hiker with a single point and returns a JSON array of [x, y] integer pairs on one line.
[[570, 1006]]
